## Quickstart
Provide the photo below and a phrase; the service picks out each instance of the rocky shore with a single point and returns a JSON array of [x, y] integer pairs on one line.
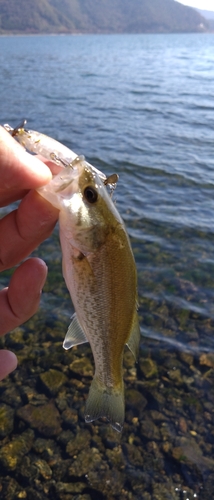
[[48, 451]]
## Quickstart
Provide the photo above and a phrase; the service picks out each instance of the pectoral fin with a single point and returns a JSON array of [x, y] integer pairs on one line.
[[75, 335], [134, 339]]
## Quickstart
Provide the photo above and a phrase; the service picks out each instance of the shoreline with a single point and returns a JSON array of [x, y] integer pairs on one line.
[[4, 35]]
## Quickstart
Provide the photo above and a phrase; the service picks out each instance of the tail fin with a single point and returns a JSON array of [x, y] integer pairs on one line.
[[106, 402]]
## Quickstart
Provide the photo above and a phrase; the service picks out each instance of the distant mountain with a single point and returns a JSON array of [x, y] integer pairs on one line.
[[98, 16], [207, 14]]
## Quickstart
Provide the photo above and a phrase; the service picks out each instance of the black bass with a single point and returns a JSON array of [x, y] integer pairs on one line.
[[98, 267], [100, 273]]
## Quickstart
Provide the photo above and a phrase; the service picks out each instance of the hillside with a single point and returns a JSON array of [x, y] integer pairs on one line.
[[209, 16], [98, 16]]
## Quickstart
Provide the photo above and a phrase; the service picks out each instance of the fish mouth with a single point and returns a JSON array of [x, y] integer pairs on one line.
[[64, 186]]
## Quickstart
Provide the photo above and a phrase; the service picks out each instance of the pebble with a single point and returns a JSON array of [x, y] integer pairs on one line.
[[80, 442], [82, 367], [12, 452], [52, 381], [6, 420], [44, 418]]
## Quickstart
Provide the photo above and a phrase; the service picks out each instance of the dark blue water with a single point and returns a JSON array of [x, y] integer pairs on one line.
[[141, 106]]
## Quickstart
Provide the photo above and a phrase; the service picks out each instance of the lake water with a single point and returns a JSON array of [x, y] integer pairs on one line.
[[141, 106]]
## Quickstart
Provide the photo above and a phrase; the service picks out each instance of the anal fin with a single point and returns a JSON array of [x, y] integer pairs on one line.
[[134, 339], [75, 334]]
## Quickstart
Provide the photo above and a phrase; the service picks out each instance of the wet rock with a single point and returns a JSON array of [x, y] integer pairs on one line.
[[15, 340], [11, 396], [6, 420], [42, 445], [64, 437], [166, 446], [27, 470], [70, 416], [148, 367], [43, 468], [80, 442], [115, 458], [86, 460], [182, 425], [175, 376], [33, 494], [28, 394], [60, 469], [109, 436], [207, 360], [61, 403], [158, 459], [178, 453], [135, 401], [12, 453], [189, 450], [52, 381], [163, 492], [109, 482], [44, 418], [132, 455], [21, 494], [157, 416], [82, 367], [149, 430], [69, 488], [9, 488], [165, 431], [187, 358], [139, 482]]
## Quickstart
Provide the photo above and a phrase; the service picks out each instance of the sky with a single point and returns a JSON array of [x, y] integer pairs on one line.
[[199, 4]]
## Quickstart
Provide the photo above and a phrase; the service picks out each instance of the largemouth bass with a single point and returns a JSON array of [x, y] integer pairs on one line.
[[100, 274]]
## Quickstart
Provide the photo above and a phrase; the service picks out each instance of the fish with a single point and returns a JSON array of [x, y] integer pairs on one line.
[[100, 273], [98, 267]]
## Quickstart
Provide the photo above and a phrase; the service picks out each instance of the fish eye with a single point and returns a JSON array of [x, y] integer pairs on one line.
[[90, 194]]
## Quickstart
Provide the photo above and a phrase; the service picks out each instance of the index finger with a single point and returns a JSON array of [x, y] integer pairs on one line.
[[19, 169]]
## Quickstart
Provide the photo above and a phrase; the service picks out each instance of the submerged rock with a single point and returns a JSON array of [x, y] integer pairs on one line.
[[207, 359], [85, 462], [6, 420], [109, 482], [52, 381], [69, 488], [12, 453], [80, 442], [43, 468], [135, 401], [148, 367], [82, 367], [70, 416], [44, 418]]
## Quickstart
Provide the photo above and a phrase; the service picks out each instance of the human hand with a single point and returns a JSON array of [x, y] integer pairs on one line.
[[21, 231]]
